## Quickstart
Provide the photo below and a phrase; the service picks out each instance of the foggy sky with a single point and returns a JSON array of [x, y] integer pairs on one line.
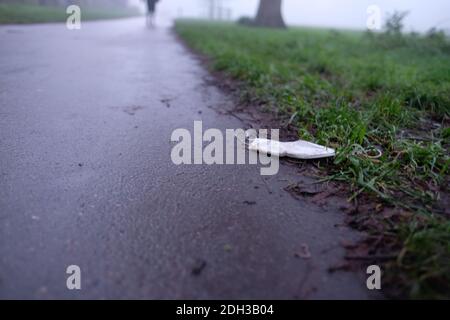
[[424, 14]]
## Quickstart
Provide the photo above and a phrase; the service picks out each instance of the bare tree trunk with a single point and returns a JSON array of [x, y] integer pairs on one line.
[[269, 14], [212, 9]]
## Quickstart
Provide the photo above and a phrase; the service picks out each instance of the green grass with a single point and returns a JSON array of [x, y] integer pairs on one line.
[[20, 14], [359, 92]]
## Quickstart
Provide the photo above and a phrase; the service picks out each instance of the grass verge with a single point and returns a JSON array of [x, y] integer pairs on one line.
[[21, 14], [384, 103]]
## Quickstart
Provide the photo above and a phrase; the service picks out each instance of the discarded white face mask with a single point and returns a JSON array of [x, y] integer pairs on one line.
[[297, 149]]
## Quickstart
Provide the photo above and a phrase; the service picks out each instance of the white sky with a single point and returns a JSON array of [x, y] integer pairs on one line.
[[424, 14]]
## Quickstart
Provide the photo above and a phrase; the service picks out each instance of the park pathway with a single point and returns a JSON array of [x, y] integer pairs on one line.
[[86, 179]]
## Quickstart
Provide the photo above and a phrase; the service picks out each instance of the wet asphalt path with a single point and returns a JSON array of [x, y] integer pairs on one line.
[[86, 178]]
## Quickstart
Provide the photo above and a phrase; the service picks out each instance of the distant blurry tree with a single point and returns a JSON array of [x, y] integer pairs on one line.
[[212, 9], [269, 14], [395, 22], [217, 10]]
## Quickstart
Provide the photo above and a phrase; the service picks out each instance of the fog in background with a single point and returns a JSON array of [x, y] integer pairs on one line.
[[424, 14]]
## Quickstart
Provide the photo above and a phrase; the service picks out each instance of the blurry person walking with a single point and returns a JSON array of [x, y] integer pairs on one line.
[[151, 8]]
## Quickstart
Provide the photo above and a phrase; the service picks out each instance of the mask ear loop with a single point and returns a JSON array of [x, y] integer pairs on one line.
[[248, 139]]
